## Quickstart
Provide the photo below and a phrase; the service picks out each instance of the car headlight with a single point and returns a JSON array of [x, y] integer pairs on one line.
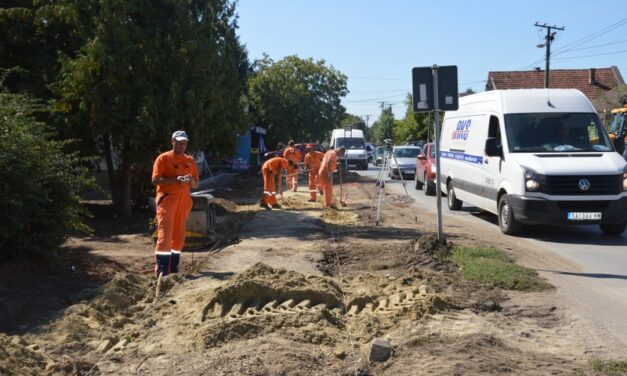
[[532, 180]]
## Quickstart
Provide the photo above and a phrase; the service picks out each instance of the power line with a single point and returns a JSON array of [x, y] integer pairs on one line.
[[597, 46], [590, 37], [594, 55]]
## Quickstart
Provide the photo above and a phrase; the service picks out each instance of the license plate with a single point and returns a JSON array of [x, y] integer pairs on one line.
[[573, 216]]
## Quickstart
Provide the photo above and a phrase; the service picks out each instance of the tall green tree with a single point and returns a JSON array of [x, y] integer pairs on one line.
[[151, 67], [383, 128], [413, 127], [297, 98]]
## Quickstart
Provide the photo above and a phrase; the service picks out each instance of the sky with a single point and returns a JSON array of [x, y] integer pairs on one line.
[[377, 43]]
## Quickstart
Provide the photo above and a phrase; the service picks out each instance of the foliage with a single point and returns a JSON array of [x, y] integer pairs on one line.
[[413, 127], [609, 100], [608, 367], [36, 33], [41, 182], [150, 67], [382, 129], [297, 98], [489, 265]]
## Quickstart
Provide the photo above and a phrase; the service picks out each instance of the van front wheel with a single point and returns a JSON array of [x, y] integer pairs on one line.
[[453, 202], [508, 224], [613, 229]]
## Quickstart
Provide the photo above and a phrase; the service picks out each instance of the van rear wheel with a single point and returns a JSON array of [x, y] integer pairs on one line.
[[507, 222], [453, 202], [613, 229]]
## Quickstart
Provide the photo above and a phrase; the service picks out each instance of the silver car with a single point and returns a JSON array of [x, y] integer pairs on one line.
[[403, 161]]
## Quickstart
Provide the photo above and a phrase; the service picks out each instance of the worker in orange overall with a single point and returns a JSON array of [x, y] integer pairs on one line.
[[173, 173], [270, 170], [292, 154], [313, 160], [325, 174]]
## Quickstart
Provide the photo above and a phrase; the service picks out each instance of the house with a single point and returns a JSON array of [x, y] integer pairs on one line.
[[592, 82]]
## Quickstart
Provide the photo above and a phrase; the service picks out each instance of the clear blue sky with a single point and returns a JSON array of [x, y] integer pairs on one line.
[[376, 43]]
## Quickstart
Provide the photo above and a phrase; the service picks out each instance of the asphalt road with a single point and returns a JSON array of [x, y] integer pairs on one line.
[[597, 287]]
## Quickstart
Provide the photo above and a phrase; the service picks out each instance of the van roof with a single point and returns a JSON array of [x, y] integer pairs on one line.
[[525, 101]]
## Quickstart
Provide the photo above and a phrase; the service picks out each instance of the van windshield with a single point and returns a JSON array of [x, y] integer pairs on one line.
[[554, 133], [350, 143]]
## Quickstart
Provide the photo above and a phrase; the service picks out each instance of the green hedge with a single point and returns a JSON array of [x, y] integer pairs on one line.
[[39, 182]]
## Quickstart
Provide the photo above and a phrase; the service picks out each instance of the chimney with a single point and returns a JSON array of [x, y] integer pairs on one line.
[[592, 74]]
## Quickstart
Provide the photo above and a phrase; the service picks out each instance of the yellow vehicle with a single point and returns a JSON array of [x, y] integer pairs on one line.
[[618, 129]]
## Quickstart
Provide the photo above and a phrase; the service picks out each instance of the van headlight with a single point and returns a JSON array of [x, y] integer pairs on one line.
[[532, 180]]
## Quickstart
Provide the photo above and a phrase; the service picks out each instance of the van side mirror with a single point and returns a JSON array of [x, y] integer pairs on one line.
[[491, 147]]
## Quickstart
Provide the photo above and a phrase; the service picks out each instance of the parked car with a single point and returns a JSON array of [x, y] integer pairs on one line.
[[425, 169], [379, 154], [403, 161], [299, 147]]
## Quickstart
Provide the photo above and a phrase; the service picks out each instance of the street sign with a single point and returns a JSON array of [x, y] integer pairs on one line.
[[423, 79]]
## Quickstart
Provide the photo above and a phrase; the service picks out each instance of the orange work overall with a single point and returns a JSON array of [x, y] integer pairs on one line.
[[270, 170], [325, 174], [291, 154], [312, 162], [174, 203]]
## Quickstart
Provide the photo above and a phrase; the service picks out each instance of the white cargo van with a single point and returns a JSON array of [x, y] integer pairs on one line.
[[533, 156], [355, 144]]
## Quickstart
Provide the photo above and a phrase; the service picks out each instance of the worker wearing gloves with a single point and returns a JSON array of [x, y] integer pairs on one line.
[[173, 173], [325, 174], [292, 154], [270, 170], [313, 160]]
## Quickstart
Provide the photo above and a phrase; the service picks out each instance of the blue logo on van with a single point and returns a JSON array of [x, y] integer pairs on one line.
[[461, 130]]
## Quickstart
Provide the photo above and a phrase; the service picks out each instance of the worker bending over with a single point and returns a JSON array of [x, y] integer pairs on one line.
[[270, 170], [313, 160], [325, 174], [173, 173], [292, 154]]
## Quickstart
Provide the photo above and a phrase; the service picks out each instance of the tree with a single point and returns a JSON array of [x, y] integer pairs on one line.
[[297, 98], [151, 67], [43, 182], [355, 122], [414, 126], [609, 100], [383, 128]]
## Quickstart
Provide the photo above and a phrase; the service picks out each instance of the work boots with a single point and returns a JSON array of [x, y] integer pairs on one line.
[[174, 261], [162, 263]]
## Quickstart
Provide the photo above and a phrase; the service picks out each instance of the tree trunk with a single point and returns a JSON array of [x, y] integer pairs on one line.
[[113, 185], [125, 187]]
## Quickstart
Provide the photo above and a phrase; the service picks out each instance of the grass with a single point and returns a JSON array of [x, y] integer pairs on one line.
[[609, 367], [492, 266]]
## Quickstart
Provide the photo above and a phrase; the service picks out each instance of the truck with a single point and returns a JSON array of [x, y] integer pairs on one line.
[[618, 129], [533, 157]]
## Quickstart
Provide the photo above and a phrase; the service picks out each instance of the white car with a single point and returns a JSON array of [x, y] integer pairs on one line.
[[403, 161]]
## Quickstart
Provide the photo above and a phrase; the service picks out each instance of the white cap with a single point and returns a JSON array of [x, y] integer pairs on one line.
[[180, 136]]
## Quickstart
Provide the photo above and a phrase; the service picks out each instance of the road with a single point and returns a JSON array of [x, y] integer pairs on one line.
[[596, 287]]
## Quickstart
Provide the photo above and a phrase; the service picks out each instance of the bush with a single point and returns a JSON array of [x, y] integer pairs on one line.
[[39, 182]]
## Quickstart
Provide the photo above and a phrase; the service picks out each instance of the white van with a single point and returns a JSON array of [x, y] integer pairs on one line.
[[355, 144], [533, 156]]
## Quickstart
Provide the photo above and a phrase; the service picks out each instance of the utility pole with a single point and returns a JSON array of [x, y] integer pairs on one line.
[[549, 38], [367, 120]]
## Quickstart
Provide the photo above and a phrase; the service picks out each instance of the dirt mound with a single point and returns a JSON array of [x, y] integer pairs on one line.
[[17, 357], [427, 251], [224, 206]]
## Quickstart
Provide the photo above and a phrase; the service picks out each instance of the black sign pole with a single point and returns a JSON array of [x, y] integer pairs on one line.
[[436, 119]]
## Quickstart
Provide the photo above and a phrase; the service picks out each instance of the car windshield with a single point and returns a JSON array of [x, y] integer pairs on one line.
[[350, 143], [379, 151], [553, 133], [406, 152]]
